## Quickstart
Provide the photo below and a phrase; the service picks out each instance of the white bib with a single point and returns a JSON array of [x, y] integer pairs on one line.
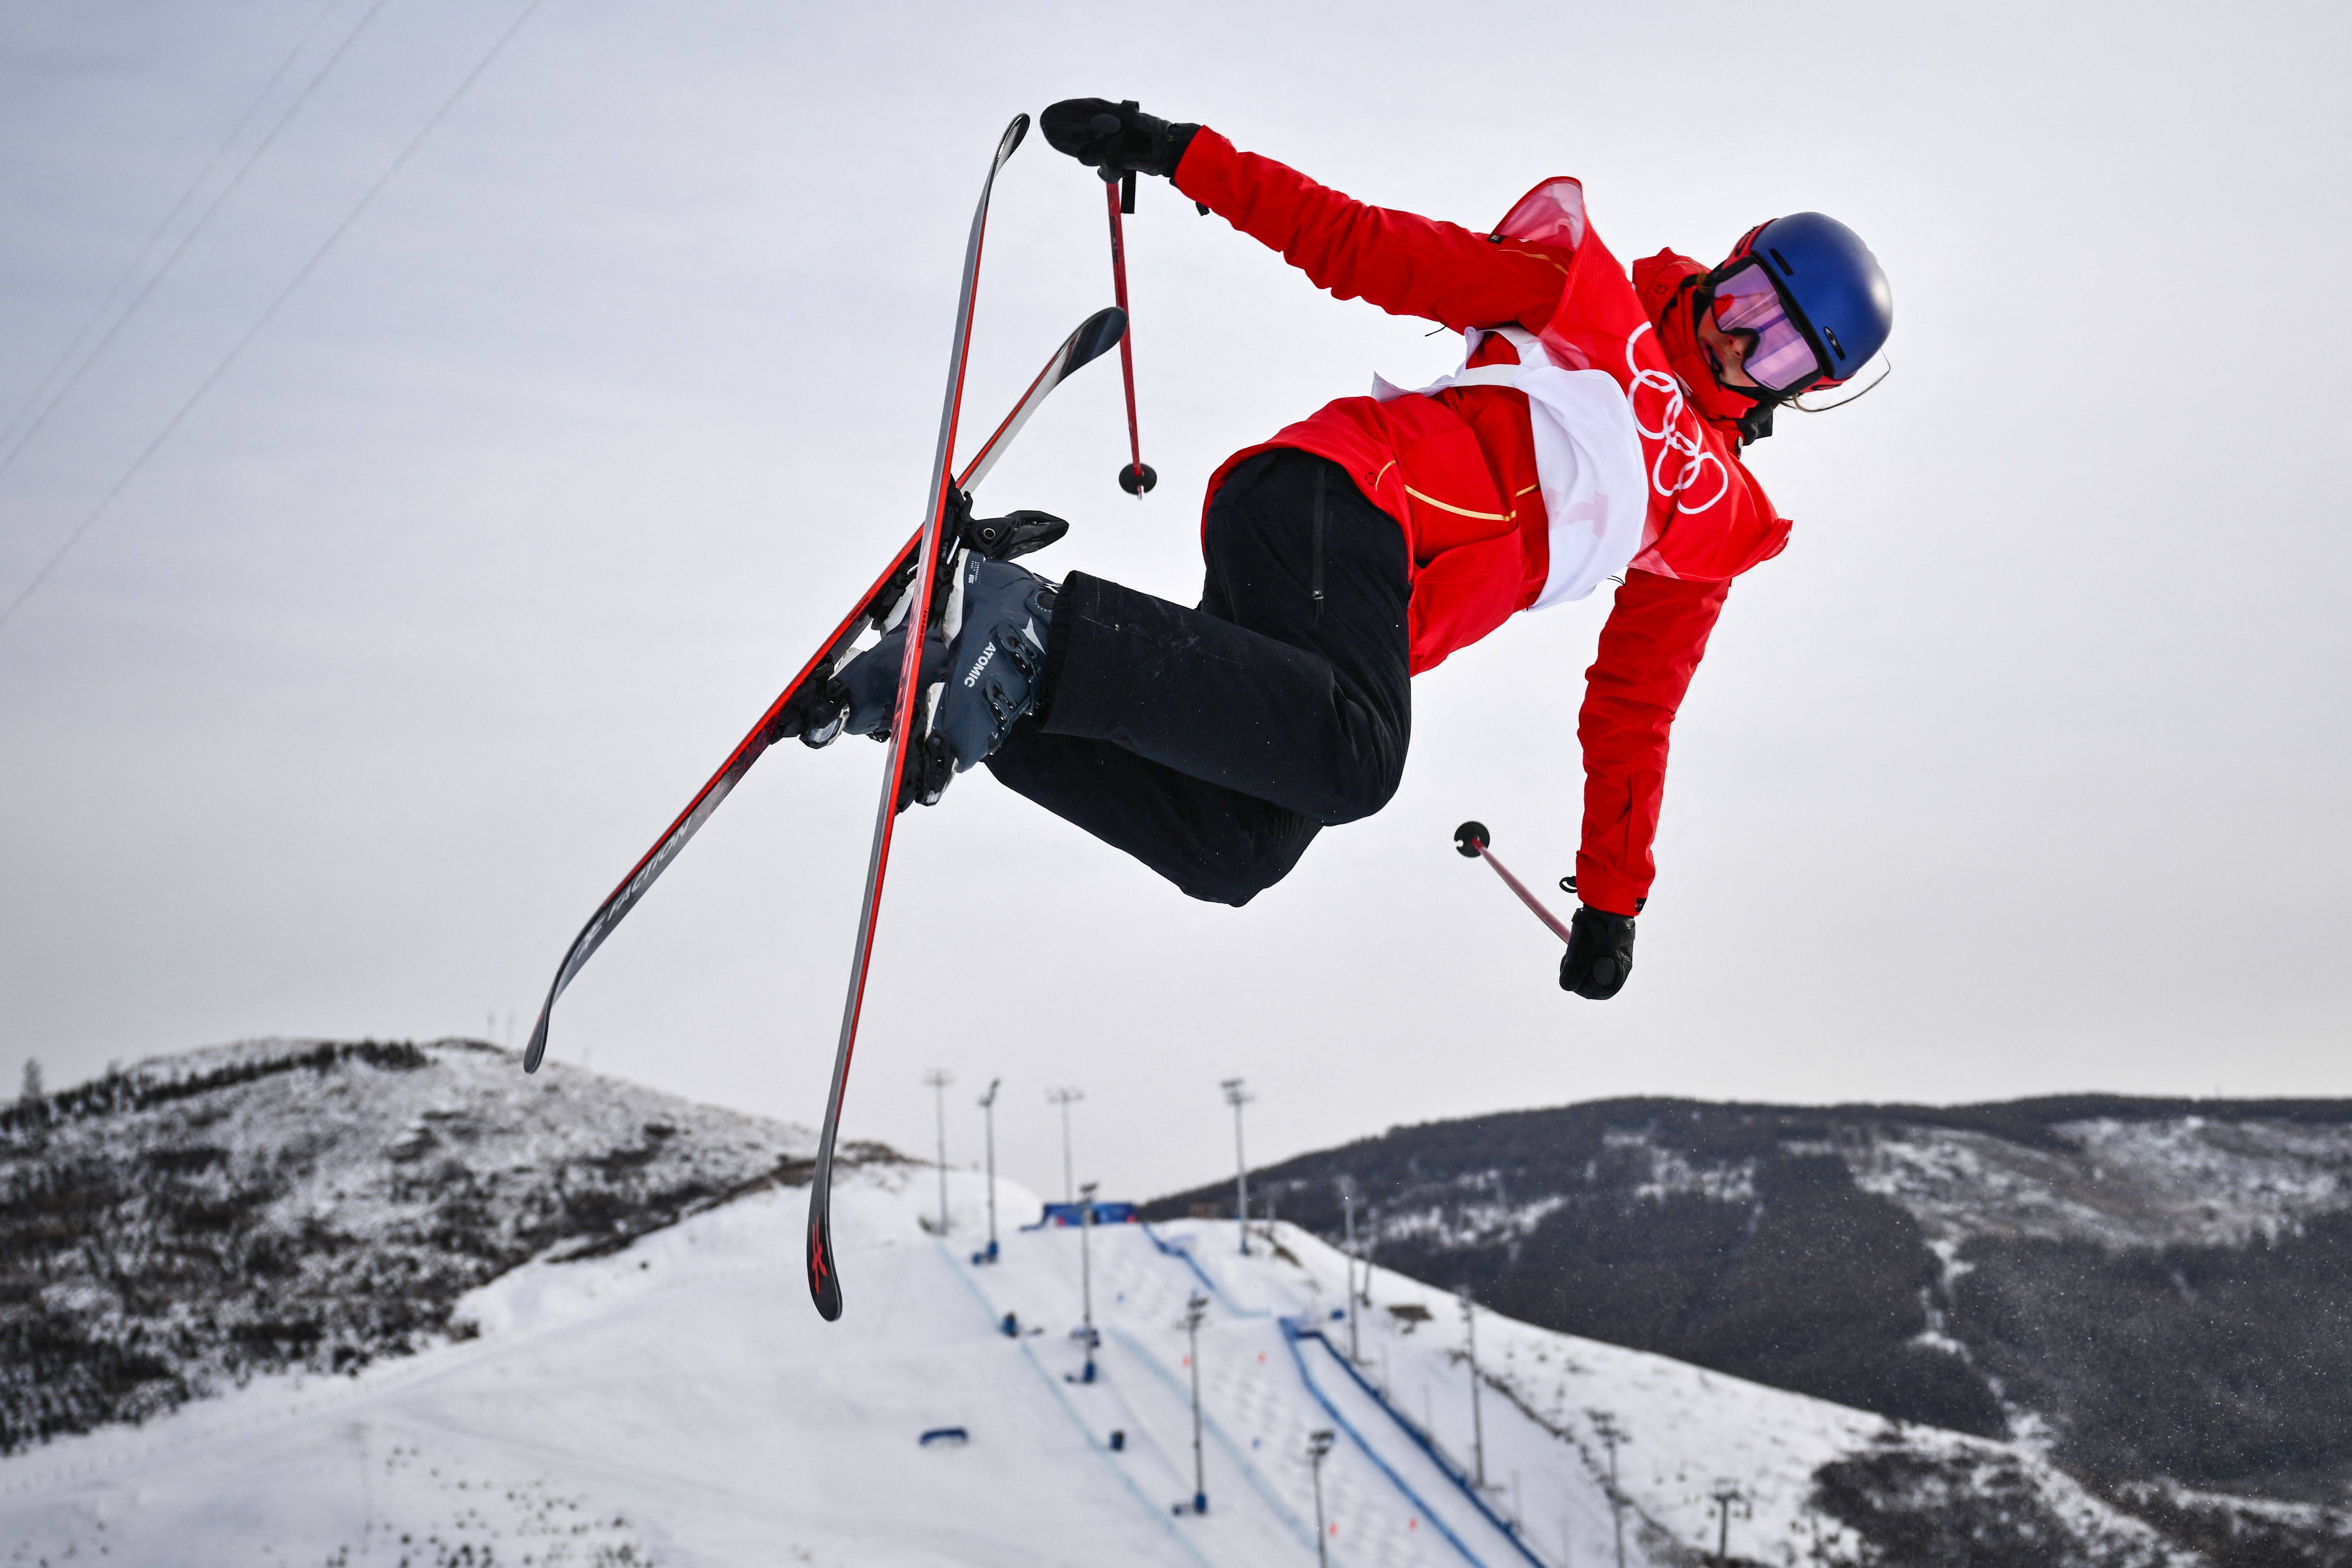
[[1596, 488]]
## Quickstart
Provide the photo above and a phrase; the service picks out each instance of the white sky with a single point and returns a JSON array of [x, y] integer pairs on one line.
[[2021, 771]]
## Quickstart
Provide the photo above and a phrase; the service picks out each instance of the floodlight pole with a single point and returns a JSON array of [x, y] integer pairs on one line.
[[1477, 1428], [938, 1079], [1064, 1097], [1348, 1209], [1728, 1496], [988, 1119], [1195, 1309], [1086, 1270], [1237, 1096], [1606, 1427]]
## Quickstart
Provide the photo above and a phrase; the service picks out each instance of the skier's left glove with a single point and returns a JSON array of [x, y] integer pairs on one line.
[[1114, 138], [1600, 954]]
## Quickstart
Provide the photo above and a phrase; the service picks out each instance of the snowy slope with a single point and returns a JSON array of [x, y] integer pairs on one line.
[[282, 1205], [678, 1402]]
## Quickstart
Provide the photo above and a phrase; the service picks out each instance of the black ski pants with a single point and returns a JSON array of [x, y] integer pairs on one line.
[[1214, 743]]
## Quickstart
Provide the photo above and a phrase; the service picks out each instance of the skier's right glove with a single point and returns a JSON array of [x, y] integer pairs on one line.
[[1113, 137], [1600, 954]]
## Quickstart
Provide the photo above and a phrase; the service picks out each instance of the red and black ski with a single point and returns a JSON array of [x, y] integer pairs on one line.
[[800, 705], [906, 738]]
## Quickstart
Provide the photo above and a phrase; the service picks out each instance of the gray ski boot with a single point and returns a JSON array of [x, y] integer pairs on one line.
[[863, 694], [997, 659]]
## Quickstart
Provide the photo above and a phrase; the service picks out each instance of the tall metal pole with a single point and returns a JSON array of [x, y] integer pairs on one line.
[[938, 1079], [988, 1119], [1236, 1096], [1086, 1270], [1727, 1495], [1063, 1098], [1348, 1208], [1196, 1309], [1318, 1443], [1606, 1427], [1478, 1428]]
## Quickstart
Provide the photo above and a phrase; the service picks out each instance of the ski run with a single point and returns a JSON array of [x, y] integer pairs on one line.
[[676, 1402]]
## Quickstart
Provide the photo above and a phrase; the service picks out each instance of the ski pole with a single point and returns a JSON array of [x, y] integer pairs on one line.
[[1471, 838], [1118, 194]]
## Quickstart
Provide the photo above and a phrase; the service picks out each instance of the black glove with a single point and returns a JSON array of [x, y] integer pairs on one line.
[[1600, 954], [1114, 138]]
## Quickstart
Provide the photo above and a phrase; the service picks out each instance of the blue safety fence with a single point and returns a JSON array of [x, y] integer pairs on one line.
[[1059, 1214], [1296, 1328], [1183, 1250]]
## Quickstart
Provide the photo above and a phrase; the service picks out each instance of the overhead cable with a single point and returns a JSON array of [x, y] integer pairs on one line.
[[83, 527], [9, 458]]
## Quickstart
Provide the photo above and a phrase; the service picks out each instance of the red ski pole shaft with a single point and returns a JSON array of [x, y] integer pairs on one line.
[[1470, 838], [1135, 479]]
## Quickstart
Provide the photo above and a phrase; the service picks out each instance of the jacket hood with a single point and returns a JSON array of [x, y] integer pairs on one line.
[[1663, 283]]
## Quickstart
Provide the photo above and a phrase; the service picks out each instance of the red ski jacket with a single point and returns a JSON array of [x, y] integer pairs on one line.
[[1457, 469]]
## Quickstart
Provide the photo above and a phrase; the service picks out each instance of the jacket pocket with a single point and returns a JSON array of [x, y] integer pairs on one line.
[[1464, 594]]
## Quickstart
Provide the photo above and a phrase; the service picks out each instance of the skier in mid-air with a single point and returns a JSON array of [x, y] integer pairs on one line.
[[1593, 432]]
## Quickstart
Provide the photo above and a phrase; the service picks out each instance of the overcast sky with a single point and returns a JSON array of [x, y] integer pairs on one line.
[[2021, 771]]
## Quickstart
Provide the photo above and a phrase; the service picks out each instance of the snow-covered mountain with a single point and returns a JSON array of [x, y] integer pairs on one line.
[[651, 1385], [2157, 1295], [168, 1231]]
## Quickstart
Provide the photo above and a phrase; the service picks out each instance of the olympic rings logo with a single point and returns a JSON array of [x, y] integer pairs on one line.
[[1672, 409]]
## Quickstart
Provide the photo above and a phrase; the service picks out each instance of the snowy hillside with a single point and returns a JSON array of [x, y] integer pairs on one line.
[[676, 1402], [280, 1205], [2155, 1294]]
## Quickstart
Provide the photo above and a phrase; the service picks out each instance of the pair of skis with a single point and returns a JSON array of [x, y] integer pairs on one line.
[[910, 588]]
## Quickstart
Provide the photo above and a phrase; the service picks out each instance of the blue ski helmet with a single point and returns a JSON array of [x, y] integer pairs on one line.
[[1828, 284]]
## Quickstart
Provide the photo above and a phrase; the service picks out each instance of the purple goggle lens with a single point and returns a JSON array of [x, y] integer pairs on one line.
[[1746, 301]]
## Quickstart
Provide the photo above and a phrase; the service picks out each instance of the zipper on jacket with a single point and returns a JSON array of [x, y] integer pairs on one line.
[[1314, 579]]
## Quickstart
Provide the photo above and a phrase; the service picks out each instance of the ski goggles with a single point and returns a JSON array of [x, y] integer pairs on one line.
[[1747, 300]]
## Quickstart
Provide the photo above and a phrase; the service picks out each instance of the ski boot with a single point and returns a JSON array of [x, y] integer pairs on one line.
[[998, 657], [863, 694]]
